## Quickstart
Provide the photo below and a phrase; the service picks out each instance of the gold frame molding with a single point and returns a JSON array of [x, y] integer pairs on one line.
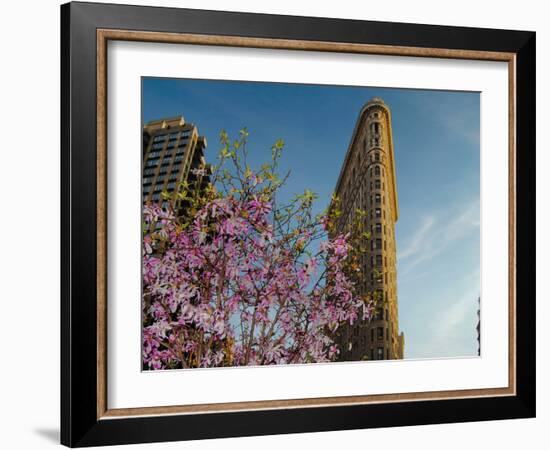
[[105, 35]]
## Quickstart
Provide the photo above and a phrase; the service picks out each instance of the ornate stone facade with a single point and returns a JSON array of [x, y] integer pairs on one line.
[[367, 182]]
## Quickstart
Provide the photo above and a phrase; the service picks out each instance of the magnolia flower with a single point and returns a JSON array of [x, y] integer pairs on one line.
[[234, 287], [198, 172]]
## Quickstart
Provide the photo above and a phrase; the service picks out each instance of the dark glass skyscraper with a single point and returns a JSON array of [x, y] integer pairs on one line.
[[173, 152]]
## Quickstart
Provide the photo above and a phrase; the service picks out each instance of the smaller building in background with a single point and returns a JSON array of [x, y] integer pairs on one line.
[[173, 153], [478, 327]]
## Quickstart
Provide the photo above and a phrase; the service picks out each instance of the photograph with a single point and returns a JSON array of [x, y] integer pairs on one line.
[[293, 222], [287, 223]]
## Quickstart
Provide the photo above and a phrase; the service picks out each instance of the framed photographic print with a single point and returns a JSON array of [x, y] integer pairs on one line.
[[276, 224]]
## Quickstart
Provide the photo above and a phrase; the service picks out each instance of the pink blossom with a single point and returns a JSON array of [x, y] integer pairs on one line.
[[232, 288]]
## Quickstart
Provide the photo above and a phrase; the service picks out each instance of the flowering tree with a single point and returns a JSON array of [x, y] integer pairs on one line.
[[231, 278]]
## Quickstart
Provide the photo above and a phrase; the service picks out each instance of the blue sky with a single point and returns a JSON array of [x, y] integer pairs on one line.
[[436, 142]]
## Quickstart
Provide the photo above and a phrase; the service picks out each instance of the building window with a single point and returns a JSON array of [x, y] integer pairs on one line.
[[377, 198], [377, 170], [380, 353], [387, 331], [380, 333], [157, 146], [378, 228], [372, 334], [378, 212], [159, 137], [379, 243], [379, 260], [387, 353], [372, 354], [386, 314], [173, 136], [377, 156], [379, 314], [376, 184]]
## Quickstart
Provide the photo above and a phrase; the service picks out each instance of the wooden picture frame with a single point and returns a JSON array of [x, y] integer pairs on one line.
[[86, 419]]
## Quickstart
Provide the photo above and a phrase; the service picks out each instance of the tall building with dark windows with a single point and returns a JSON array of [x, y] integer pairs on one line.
[[367, 182], [173, 152]]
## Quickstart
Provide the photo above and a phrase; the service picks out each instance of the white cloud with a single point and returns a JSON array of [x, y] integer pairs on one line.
[[455, 115], [454, 328], [435, 233], [462, 126], [419, 238], [449, 321]]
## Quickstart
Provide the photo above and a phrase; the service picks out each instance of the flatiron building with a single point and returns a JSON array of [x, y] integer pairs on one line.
[[367, 182]]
